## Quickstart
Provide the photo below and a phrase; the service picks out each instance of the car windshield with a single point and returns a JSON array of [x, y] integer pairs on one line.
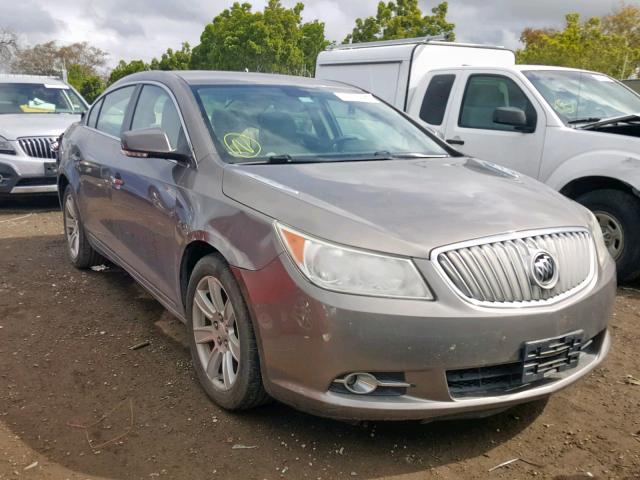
[[26, 98], [253, 123], [584, 97]]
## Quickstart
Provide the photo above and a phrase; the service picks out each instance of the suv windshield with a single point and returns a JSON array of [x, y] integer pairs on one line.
[[38, 98], [290, 123], [579, 97]]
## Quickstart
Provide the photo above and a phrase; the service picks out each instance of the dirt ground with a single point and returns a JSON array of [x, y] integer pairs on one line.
[[75, 399]]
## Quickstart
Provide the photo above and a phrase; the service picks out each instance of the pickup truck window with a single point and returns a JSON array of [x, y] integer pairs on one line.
[[436, 98], [485, 93], [583, 97]]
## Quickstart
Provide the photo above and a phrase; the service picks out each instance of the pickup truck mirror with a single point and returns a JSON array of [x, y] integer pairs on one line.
[[149, 142], [513, 116]]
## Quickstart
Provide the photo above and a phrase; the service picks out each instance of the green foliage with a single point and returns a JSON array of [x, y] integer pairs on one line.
[[123, 69], [609, 45], [402, 19], [274, 40], [85, 81], [91, 88], [173, 60]]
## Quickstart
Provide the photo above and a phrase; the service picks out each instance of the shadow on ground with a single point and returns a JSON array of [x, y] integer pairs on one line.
[[41, 203]]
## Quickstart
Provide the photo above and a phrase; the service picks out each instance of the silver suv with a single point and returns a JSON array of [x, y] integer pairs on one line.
[[34, 111]]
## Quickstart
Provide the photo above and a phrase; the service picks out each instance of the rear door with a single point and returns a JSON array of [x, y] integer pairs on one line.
[[96, 153], [145, 232], [470, 127]]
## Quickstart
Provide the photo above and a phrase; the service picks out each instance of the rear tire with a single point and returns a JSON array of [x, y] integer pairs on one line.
[[221, 337], [79, 251], [618, 213]]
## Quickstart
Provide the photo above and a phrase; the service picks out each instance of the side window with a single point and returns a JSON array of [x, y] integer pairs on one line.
[[155, 109], [435, 99], [93, 114], [485, 93], [114, 108]]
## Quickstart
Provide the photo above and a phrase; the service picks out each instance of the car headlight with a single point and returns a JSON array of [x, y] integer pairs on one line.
[[596, 231], [6, 147], [349, 270]]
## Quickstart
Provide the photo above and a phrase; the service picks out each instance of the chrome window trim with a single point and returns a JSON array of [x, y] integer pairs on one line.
[[589, 281]]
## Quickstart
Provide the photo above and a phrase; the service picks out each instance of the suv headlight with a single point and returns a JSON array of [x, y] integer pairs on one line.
[[596, 232], [349, 270], [6, 147]]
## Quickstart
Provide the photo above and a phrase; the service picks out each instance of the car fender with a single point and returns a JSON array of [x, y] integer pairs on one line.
[[620, 165]]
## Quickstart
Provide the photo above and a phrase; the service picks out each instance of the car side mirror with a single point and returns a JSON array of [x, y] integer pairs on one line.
[[515, 117], [149, 142]]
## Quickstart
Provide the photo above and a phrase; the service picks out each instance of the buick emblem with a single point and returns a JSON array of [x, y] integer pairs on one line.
[[544, 271]]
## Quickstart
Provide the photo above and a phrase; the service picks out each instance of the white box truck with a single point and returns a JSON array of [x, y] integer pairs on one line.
[[575, 130]]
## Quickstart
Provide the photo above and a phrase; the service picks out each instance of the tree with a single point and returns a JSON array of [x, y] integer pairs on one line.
[[274, 40], [402, 19], [126, 68], [85, 81], [173, 60], [591, 45], [50, 59], [8, 47]]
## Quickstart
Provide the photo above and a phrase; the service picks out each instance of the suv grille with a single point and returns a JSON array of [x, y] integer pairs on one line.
[[501, 273], [39, 147]]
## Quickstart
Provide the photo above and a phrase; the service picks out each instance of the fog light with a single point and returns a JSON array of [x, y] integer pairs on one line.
[[360, 383]]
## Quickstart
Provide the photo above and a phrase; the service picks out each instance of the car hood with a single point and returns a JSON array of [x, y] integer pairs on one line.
[[406, 207], [13, 126]]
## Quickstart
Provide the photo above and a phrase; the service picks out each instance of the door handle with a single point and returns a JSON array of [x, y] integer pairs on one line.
[[116, 181], [455, 141]]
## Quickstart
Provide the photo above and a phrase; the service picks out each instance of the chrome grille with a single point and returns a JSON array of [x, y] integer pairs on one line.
[[498, 272], [38, 147]]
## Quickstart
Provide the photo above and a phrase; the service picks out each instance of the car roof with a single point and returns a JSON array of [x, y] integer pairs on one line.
[[515, 68], [36, 79], [208, 77]]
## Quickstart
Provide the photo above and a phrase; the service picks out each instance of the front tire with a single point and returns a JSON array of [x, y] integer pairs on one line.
[[618, 213], [79, 251], [221, 338]]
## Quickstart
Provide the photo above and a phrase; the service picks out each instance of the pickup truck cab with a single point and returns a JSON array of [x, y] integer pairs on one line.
[[575, 130]]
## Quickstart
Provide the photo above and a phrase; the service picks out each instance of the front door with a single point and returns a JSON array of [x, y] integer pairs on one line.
[[146, 193], [474, 132]]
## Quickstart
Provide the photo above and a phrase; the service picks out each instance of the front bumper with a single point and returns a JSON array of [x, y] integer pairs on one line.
[[20, 174], [309, 337]]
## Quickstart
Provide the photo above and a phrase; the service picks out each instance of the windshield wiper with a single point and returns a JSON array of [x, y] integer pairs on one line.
[[584, 120]]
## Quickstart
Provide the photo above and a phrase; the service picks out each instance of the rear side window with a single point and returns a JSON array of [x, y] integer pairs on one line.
[[93, 115], [155, 109], [114, 108], [485, 93], [436, 98]]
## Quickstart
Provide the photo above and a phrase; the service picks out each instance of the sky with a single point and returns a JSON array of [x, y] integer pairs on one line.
[[142, 29]]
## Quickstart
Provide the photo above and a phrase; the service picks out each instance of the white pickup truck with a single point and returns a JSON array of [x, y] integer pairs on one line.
[[575, 130]]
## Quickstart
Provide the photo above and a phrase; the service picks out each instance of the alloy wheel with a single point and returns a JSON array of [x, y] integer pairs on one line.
[[72, 226], [216, 333], [612, 233]]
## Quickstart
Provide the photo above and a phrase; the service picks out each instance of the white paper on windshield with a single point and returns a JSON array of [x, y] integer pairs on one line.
[[59, 87], [356, 97], [601, 78]]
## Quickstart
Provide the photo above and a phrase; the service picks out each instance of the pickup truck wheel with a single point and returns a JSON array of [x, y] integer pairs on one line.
[[618, 213], [221, 338], [80, 252]]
